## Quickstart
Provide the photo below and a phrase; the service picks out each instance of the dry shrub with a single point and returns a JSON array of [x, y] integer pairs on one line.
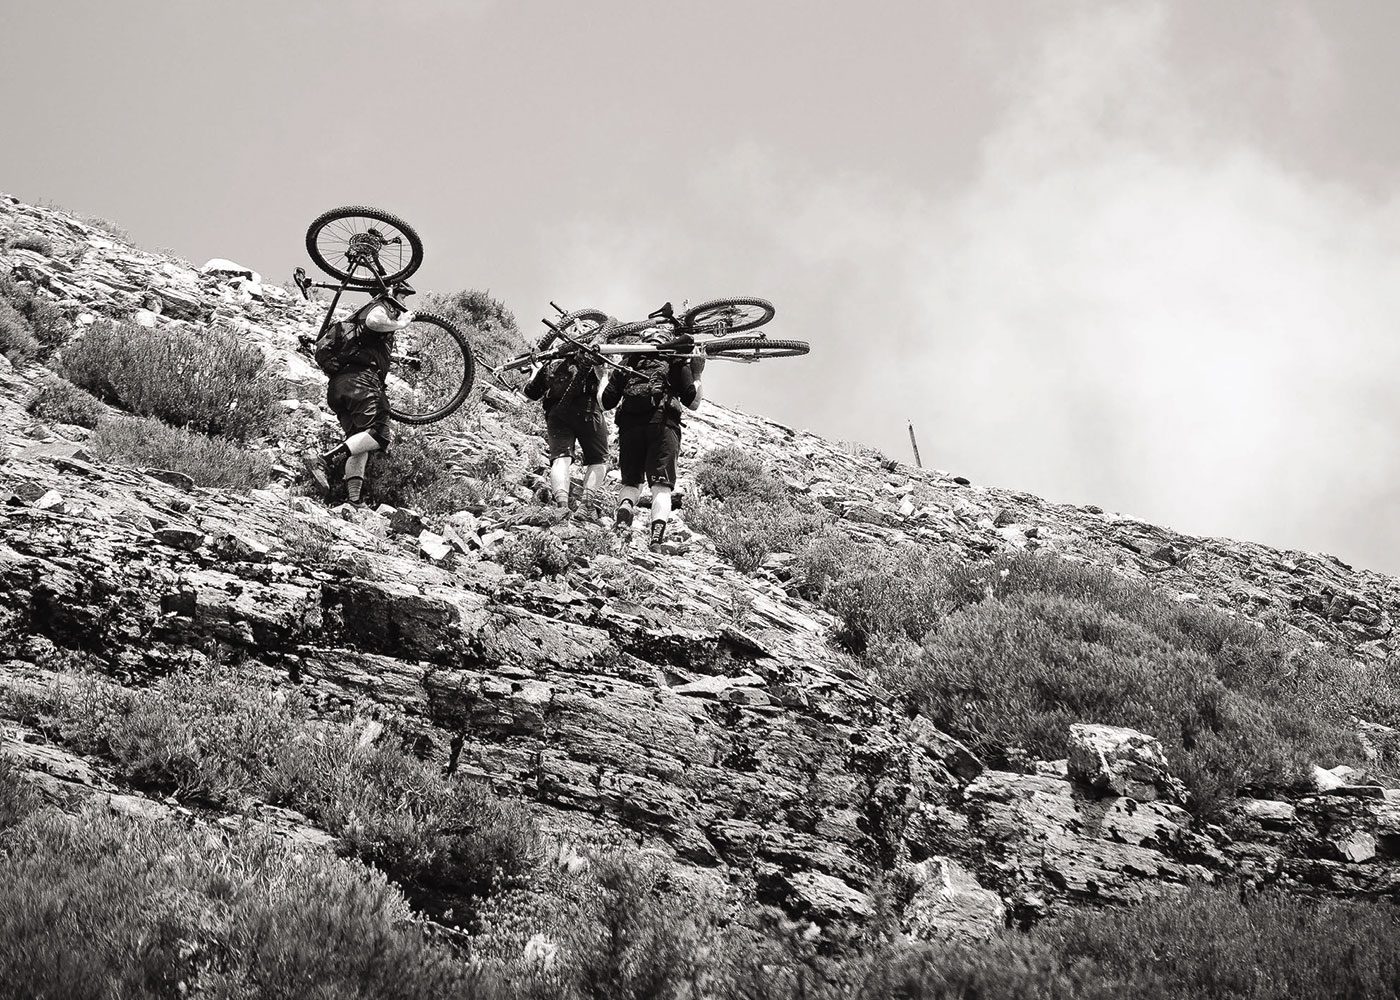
[[209, 461], [59, 401], [210, 381]]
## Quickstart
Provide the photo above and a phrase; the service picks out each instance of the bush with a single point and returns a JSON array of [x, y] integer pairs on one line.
[[416, 471], [1007, 654], [35, 243], [59, 401], [749, 513], [489, 325], [17, 340], [211, 735], [209, 381], [100, 906], [46, 320], [549, 553], [216, 462]]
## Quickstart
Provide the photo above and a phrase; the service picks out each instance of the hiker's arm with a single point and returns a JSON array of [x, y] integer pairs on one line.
[[379, 320], [612, 392], [684, 386], [534, 388]]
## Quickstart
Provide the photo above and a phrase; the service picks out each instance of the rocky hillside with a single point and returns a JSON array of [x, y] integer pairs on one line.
[[668, 700]]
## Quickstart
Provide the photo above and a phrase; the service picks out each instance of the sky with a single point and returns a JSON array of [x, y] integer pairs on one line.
[[1131, 253]]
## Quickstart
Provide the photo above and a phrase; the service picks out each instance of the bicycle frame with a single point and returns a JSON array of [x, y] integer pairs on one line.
[[304, 283]]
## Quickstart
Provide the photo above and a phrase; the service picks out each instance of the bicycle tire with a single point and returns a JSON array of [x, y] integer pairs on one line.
[[322, 256], [625, 330], [597, 317], [759, 347], [749, 313], [453, 385]]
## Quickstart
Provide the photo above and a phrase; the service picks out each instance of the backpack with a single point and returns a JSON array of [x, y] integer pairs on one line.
[[650, 381], [572, 388], [339, 340]]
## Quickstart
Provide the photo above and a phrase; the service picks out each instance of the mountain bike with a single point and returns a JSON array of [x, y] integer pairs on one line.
[[431, 367], [704, 331]]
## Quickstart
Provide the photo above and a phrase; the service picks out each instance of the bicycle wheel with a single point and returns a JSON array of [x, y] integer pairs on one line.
[[583, 325], [364, 242], [756, 348], [430, 372], [625, 332], [735, 314]]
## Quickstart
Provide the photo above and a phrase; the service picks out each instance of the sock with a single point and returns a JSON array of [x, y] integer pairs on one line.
[[353, 485], [355, 466], [336, 454], [660, 503], [658, 531]]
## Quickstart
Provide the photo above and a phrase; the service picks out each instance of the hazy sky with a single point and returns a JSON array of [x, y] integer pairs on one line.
[[1137, 254]]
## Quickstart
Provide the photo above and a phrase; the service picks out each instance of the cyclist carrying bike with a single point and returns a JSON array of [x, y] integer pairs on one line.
[[649, 398], [355, 352], [569, 389]]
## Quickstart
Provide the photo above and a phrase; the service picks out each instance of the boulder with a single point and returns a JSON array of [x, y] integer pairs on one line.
[[1120, 761], [227, 268], [950, 905]]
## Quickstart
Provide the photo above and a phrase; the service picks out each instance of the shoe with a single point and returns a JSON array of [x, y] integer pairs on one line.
[[623, 517]]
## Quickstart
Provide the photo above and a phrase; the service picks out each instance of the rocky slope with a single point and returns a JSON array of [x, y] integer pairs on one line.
[[666, 700]]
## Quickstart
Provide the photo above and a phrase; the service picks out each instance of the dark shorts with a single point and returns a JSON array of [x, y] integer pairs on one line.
[[648, 451], [360, 403], [589, 431]]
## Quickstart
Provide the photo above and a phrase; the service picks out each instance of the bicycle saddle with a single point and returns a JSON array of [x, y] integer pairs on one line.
[[665, 312]]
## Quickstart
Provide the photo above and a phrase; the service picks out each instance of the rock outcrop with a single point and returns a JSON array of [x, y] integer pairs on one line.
[[628, 698]]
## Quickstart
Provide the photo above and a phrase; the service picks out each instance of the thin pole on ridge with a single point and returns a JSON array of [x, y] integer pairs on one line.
[[914, 441]]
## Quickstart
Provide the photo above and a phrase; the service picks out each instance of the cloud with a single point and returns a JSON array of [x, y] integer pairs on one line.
[[1132, 302]]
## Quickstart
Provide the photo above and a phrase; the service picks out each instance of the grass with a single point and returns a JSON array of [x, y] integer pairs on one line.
[[212, 735], [59, 401], [1007, 654], [210, 381], [142, 442]]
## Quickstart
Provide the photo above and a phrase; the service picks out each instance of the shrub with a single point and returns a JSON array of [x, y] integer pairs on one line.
[[216, 462], [489, 325], [60, 401], [17, 340], [747, 512], [46, 320], [209, 381], [734, 473], [35, 243], [417, 472], [101, 906], [549, 553], [107, 226], [1013, 651], [213, 735]]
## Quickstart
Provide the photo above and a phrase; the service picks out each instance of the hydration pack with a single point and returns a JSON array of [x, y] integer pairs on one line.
[[572, 388], [650, 381]]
